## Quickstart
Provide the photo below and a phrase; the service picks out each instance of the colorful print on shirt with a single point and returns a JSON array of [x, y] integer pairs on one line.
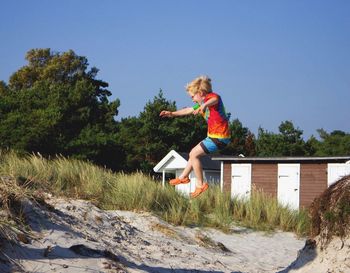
[[217, 119]]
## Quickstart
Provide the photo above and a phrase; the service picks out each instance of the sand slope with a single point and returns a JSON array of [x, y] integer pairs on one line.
[[76, 236], [334, 258]]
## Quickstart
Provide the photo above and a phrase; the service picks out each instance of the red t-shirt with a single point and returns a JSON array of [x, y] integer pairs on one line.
[[217, 119]]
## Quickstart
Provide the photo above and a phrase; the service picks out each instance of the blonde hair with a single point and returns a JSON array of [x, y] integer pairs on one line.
[[200, 84]]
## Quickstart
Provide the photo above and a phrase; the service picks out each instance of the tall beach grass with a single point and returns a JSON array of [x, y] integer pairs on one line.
[[139, 192]]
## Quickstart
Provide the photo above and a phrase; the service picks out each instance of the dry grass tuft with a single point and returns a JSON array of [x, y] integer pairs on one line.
[[330, 213], [11, 224]]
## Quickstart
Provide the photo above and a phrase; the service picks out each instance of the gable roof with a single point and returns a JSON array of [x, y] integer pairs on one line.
[[174, 160], [171, 161]]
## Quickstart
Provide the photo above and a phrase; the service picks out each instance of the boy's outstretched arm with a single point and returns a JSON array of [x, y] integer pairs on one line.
[[182, 112]]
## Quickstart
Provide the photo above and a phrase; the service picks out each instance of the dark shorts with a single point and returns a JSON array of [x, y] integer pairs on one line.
[[211, 145]]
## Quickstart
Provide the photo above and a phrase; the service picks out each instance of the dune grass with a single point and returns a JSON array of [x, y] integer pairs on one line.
[[140, 192]]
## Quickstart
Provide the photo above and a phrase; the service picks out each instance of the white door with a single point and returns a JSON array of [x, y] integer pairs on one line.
[[337, 171], [241, 180], [288, 185]]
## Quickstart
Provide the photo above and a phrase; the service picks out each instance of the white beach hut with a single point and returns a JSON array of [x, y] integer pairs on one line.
[[175, 163]]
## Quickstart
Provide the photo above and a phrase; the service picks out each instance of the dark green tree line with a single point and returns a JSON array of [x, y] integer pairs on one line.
[[288, 142], [243, 140], [56, 105], [335, 143]]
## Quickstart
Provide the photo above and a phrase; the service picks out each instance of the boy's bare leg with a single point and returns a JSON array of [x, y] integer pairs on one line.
[[186, 172], [197, 151], [196, 164]]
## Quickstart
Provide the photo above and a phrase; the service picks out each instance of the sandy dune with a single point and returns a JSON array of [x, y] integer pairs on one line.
[[335, 258], [76, 236]]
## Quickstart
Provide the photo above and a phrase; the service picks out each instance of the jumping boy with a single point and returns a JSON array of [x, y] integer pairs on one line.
[[210, 106]]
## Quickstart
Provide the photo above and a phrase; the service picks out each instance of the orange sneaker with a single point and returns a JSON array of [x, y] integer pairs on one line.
[[199, 190], [177, 181]]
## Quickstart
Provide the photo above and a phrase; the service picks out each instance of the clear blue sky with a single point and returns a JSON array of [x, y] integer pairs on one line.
[[270, 61]]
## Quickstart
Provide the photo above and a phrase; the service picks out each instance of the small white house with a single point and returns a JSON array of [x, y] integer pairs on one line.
[[175, 163]]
